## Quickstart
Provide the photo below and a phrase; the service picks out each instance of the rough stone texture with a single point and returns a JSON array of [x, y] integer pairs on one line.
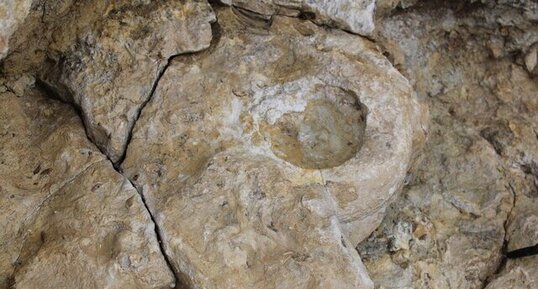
[[68, 219], [356, 16], [248, 155], [518, 274], [12, 14], [106, 58], [474, 195], [385, 7], [273, 147]]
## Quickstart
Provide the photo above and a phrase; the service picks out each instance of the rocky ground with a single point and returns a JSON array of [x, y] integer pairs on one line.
[[269, 144]]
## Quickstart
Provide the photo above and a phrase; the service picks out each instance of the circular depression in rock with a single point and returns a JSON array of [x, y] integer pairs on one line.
[[325, 135]]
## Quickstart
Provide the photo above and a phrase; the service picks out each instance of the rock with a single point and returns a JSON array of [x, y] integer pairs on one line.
[[270, 146], [352, 15], [106, 59], [68, 219], [520, 273], [496, 47], [523, 225], [531, 59], [255, 231], [474, 194], [248, 155], [446, 230], [20, 85], [12, 14]]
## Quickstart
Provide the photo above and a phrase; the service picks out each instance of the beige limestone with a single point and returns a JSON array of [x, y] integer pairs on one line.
[[473, 198], [356, 16], [531, 59], [268, 155], [12, 14], [106, 58], [68, 219], [518, 274], [266, 158]]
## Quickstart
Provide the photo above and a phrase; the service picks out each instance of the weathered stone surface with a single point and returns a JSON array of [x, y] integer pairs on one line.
[[12, 14], [447, 230], [106, 58], [531, 59], [249, 222], [518, 274], [356, 16], [268, 157], [385, 7], [522, 226], [68, 219], [474, 194]]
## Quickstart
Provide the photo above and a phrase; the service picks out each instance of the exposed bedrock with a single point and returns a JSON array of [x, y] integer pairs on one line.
[[268, 144], [268, 157], [472, 201], [68, 219], [105, 58]]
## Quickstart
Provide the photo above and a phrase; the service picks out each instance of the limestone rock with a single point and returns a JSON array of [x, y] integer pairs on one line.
[[385, 7], [531, 59], [106, 58], [68, 219], [274, 142], [248, 155], [258, 226], [356, 16], [474, 195], [518, 274], [522, 228], [12, 14]]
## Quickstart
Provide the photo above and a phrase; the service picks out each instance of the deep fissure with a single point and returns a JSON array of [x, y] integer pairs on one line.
[[52, 93], [49, 91]]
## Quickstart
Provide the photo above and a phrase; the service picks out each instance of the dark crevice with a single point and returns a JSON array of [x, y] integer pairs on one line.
[[491, 137], [158, 235], [117, 165], [216, 34], [52, 93], [460, 7], [179, 280], [305, 15], [216, 4], [500, 266], [505, 224], [523, 252]]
